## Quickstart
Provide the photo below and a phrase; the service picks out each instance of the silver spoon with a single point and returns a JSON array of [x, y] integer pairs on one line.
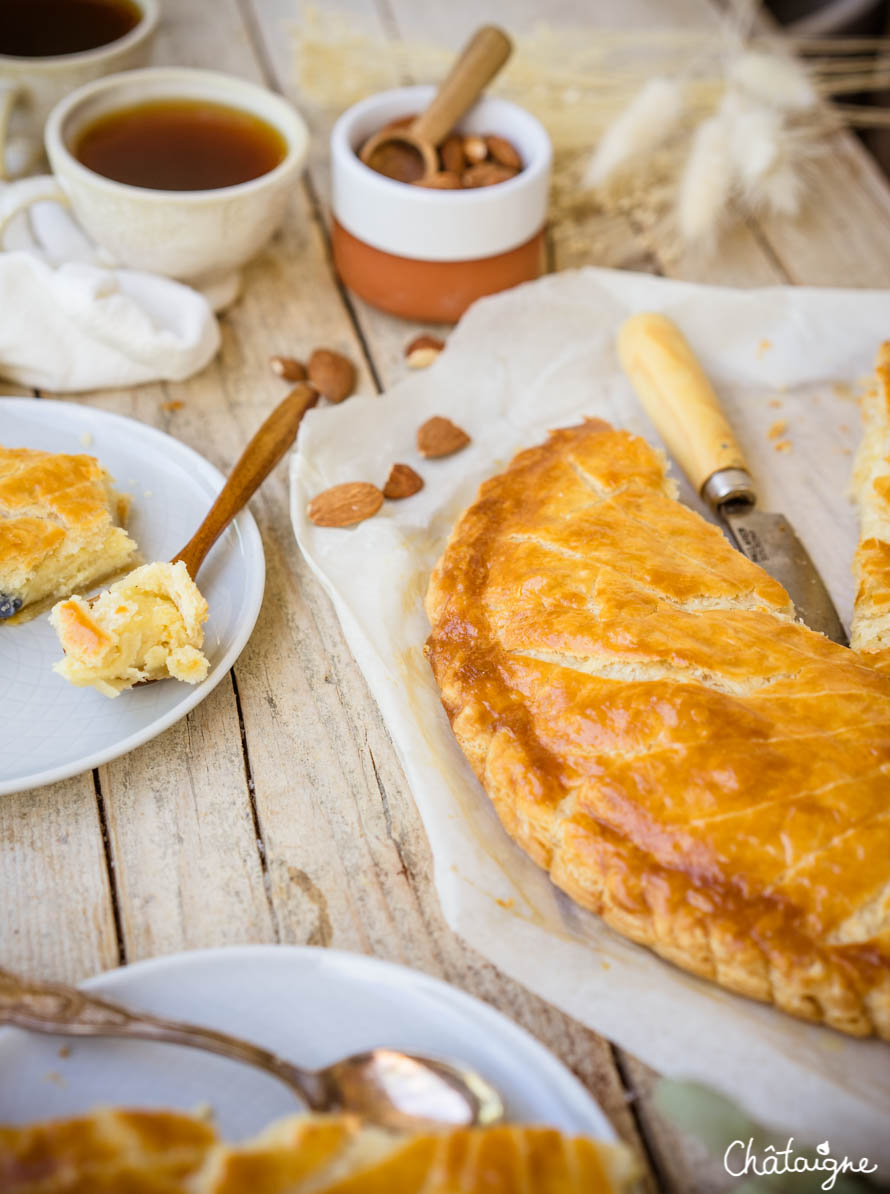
[[385, 1087]]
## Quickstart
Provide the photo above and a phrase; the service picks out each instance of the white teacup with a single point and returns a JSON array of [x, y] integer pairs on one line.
[[31, 87], [199, 237]]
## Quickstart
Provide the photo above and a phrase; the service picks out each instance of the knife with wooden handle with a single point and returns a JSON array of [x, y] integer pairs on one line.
[[682, 404]]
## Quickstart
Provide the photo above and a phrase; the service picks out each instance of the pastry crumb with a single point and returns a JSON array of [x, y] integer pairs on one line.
[[783, 445], [174, 404], [778, 429], [86, 439], [506, 903], [763, 348], [775, 403], [65, 1051]]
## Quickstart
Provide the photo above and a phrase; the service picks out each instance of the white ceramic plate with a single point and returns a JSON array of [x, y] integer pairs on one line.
[[50, 730], [312, 1006]]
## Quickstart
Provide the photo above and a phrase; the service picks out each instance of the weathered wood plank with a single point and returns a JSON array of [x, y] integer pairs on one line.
[[56, 917], [347, 809]]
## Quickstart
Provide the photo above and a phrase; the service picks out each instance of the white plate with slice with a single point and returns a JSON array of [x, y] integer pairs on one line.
[[312, 1006], [50, 730]]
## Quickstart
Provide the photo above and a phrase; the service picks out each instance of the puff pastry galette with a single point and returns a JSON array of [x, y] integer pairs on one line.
[[158, 1152], [653, 727], [61, 526]]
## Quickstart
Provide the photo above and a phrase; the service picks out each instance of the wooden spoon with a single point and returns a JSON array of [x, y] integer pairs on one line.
[[409, 154], [257, 460]]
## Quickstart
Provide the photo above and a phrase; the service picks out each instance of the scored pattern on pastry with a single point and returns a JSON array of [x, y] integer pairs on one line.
[[60, 526], [656, 730], [160, 1152]]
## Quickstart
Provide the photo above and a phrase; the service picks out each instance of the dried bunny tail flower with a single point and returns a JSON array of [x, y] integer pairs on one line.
[[706, 183], [774, 79], [755, 142], [765, 160], [645, 123], [781, 191]]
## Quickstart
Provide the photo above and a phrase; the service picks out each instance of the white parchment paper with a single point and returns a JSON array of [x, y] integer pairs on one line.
[[542, 356]]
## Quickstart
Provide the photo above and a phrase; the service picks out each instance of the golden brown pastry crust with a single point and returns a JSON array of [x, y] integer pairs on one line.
[[144, 1152], [107, 1152], [871, 485], [653, 727], [60, 524]]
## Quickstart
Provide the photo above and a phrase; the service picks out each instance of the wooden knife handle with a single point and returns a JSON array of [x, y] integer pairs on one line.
[[678, 397]]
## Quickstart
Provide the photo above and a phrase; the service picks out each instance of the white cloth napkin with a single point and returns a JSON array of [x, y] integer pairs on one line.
[[70, 320]]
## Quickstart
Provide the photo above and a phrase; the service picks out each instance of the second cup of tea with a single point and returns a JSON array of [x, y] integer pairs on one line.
[[200, 236]]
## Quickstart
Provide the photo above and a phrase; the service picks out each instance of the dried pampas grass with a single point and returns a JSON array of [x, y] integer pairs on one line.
[[647, 122], [706, 184]]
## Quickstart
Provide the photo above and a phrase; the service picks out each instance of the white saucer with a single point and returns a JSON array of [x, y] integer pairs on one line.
[[50, 730], [310, 1005]]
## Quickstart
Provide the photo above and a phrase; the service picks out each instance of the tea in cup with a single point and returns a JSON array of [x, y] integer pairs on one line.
[[50, 47], [178, 171]]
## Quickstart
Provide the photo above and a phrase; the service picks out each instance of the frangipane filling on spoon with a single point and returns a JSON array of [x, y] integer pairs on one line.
[[147, 626]]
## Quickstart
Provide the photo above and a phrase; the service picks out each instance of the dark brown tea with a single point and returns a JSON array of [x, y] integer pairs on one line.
[[44, 28], [180, 145]]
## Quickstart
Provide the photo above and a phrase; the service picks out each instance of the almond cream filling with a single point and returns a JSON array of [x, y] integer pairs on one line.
[[147, 626]]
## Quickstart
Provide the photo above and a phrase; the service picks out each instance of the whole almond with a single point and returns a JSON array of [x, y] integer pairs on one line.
[[288, 367], [451, 151], [332, 374], [503, 151], [475, 149], [440, 437], [345, 505], [486, 174], [422, 351], [442, 180], [402, 482]]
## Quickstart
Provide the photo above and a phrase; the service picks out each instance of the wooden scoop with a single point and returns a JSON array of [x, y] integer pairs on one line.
[[409, 154]]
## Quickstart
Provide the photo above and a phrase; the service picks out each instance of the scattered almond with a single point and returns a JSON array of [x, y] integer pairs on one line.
[[440, 437], [451, 153], [475, 149], [345, 505], [332, 374], [288, 367], [500, 150], [402, 482], [422, 351], [173, 405], [442, 180], [486, 174]]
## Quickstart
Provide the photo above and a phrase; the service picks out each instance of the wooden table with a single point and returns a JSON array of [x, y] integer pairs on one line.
[[277, 811]]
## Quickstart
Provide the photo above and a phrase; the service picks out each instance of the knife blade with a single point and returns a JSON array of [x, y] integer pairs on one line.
[[682, 403]]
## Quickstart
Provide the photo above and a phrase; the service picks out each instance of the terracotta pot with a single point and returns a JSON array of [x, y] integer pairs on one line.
[[426, 254]]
